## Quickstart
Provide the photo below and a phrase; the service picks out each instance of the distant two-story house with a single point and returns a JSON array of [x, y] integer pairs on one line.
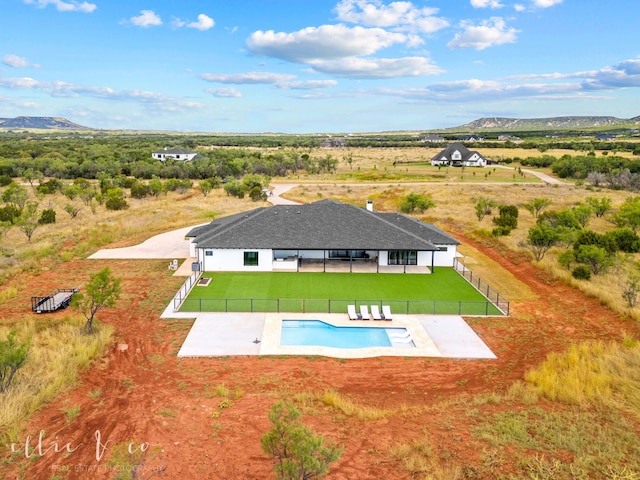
[[176, 153], [457, 155]]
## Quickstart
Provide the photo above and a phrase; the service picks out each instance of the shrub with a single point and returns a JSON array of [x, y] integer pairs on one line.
[[13, 355], [47, 216], [298, 453], [116, 200], [581, 272], [507, 219], [5, 180]]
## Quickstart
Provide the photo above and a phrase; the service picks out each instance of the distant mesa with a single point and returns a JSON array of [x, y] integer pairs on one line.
[[494, 124], [503, 123], [40, 123]]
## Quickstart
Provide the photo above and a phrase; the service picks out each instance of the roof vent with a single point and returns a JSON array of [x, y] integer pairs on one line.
[[370, 205]]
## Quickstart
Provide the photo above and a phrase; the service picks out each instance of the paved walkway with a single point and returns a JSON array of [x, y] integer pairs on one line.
[[233, 334]]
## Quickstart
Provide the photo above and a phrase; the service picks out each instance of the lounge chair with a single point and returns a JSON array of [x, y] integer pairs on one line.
[[364, 312], [386, 312], [375, 312], [351, 310]]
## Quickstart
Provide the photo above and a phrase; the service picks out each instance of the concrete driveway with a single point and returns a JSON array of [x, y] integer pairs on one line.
[[166, 245]]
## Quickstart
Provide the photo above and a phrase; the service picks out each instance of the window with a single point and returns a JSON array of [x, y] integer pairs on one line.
[[403, 257], [250, 259], [208, 253]]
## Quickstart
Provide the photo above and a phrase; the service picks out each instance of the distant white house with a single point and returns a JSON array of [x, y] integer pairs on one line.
[[181, 154], [457, 155], [296, 237]]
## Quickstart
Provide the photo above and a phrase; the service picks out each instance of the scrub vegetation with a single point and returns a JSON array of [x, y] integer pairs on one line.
[[560, 402]]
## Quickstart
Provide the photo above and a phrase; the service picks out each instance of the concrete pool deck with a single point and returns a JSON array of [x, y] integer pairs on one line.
[[233, 334]]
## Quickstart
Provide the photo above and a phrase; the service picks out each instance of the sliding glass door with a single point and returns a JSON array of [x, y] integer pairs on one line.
[[403, 257]]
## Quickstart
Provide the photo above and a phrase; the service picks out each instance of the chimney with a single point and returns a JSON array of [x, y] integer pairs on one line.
[[370, 205]]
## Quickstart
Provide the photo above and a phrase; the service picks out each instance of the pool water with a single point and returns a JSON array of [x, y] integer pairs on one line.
[[321, 334]]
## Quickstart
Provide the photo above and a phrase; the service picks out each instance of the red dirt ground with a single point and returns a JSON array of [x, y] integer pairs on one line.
[[149, 395]]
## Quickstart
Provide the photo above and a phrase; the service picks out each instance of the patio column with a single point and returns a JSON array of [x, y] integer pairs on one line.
[[350, 262], [299, 260], [433, 254], [378, 263], [324, 261]]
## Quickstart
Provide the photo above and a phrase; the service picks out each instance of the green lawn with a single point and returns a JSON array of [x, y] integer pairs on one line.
[[443, 292]]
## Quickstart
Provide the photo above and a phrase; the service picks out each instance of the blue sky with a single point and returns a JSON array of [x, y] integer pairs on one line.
[[305, 66]]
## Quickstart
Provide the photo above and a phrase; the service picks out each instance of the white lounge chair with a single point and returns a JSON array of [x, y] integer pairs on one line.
[[364, 312], [351, 310], [386, 312], [375, 312]]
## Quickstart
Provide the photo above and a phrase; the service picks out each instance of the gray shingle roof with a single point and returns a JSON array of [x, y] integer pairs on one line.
[[326, 224], [175, 151]]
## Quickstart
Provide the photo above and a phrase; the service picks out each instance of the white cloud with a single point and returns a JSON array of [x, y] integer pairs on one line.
[[62, 6], [322, 43], [147, 18], [403, 15], [486, 4], [17, 62], [308, 84], [249, 78], [378, 67], [546, 3], [225, 92], [489, 33], [204, 23], [519, 7], [70, 90]]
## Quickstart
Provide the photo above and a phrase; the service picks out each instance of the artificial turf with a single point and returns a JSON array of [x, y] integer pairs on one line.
[[444, 287]]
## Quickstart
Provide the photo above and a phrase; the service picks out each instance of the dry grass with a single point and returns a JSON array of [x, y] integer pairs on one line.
[[592, 373], [59, 350]]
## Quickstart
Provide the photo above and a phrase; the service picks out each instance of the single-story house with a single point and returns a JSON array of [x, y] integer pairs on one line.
[[607, 137], [457, 155], [175, 153], [432, 139], [326, 232]]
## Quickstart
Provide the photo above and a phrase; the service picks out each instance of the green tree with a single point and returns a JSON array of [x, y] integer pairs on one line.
[[72, 210], [536, 206], [540, 240], [102, 291], [15, 195], [582, 214], [115, 200], [629, 214], [600, 206], [234, 189], [13, 355], [596, 258], [47, 216], [298, 453], [484, 207], [417, 201], [205, 187], [156, 186], [28, 221], [507, 220], [30, 175]]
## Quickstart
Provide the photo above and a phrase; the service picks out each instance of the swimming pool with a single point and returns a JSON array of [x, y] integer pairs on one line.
[[320, 334]]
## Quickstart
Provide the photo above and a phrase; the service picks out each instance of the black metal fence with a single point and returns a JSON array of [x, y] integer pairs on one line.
[[483, 287], [304, 305]]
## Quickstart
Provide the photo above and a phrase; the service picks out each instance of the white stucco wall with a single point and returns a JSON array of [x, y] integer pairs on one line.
[[232, 260], [445, 258]]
